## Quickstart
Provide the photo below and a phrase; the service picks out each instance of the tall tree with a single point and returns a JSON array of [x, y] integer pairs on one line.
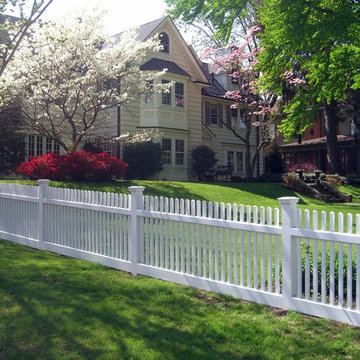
[[67, 76], [222, 21], [314, 44]]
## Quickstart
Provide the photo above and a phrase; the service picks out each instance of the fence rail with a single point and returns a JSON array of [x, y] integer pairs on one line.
[[284, 257]]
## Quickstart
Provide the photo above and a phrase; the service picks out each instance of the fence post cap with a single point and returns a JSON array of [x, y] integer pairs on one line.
[[288, 200], [136, 188], [43, 181]]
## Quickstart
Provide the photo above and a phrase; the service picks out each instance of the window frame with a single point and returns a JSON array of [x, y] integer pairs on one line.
[[214, 115], [180, 153], [167, 153], [234, 161], [38, 145], [165, 42], [175, 151], [166, 95], [179, 95]]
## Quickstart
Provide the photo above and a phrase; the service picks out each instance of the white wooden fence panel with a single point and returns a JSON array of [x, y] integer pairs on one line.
[[234, 249]]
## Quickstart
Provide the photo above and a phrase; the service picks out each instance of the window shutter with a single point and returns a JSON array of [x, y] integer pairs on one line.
[[228, 116], [207, 113], [220, 115]]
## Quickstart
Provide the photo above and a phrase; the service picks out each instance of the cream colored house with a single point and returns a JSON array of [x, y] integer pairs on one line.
[[189, 115], [186, 117]]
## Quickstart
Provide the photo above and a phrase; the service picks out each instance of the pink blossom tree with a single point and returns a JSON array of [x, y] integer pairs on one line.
[[239, 62]]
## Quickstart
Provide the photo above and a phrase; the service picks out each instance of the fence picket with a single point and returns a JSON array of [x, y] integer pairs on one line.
[[211, 240], [323, 259], [248, 244], [349, 264], [307, 256], [204, 241], [315, 259], [216, 215], [341, 263], [358, 265], [242, 249], [269, 251], [236, 246]]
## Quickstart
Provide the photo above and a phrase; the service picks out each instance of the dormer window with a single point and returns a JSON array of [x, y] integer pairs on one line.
[[164, 41]]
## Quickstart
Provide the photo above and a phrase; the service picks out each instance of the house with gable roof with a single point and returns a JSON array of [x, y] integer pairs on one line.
[[187, 116], [190, 114]]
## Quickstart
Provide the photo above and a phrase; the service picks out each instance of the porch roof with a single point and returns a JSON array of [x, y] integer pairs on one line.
[[318, 141]]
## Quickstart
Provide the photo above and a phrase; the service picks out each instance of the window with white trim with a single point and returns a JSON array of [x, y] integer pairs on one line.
[[167, 153], [179, 95], [173, 151], [235, 161], [179, 152], [214, 114], [37, 145], [166, 95]]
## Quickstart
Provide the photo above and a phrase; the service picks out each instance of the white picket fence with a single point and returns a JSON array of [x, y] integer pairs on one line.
[[305, 262]]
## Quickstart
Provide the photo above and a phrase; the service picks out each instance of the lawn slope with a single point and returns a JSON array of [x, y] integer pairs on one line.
[[52, 307]]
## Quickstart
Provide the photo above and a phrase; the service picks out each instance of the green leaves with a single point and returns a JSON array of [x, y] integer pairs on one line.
[[319, 39]]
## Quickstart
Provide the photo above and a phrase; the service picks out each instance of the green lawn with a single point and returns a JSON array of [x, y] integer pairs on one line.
[[52, 307], [260, 194]]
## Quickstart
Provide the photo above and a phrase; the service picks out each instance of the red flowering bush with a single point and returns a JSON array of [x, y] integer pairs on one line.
[[306, 167], [48, 166], [78, 166]]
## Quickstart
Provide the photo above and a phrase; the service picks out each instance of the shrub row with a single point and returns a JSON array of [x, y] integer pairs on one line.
[[76, 166]]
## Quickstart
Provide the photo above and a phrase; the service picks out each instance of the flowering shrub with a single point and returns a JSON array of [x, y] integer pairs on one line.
[[78, 166], [306, 167], [43, 167]]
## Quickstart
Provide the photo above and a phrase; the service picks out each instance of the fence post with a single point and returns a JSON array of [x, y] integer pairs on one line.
[[135, 237], [43, 187], [289, 277]]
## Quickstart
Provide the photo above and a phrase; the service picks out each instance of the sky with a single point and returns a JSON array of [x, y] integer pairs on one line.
[[121, 14]]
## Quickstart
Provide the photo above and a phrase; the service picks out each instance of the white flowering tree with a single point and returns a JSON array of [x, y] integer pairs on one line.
[[13, 29], [67, 76]]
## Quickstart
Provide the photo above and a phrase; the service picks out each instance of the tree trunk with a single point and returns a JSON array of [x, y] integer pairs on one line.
[[249, 171], [332, 153]]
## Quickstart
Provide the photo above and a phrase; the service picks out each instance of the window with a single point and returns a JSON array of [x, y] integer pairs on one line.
[[166, 146], [179, 95], [179, 152], [164, 41], [166, 96], [171, 157], [214, 114], [148, 96], [31, 145], [235, 161], [39, 145], [230, 160], [239, 162]]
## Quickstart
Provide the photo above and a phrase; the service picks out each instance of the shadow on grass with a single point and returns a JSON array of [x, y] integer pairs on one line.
[[58, 308], [152, 188], [272, 191]]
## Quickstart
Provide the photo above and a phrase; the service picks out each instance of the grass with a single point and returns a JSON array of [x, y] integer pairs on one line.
[[52, 307], [261, 194]]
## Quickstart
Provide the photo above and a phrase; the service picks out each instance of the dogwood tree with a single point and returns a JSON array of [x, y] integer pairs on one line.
[[239, 62], [68, 75]]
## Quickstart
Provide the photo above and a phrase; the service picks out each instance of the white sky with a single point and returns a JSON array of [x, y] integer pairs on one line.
[[121, 14]]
